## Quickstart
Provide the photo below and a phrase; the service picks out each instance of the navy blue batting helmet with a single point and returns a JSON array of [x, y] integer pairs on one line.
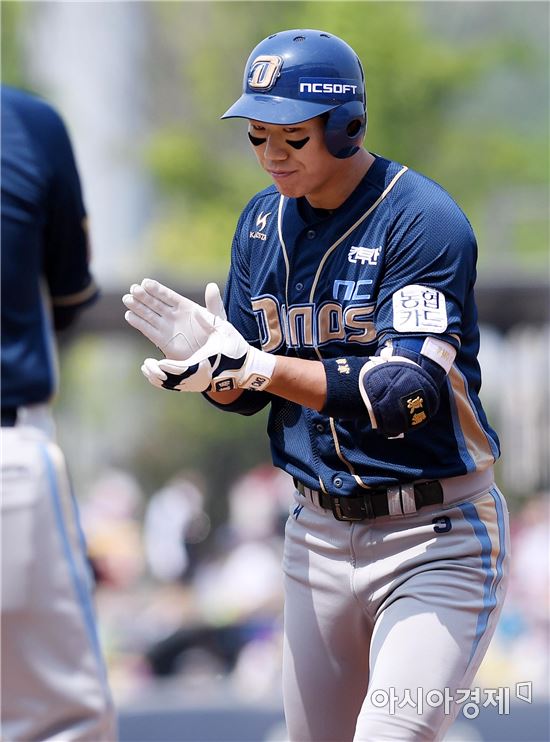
[[293, 76]]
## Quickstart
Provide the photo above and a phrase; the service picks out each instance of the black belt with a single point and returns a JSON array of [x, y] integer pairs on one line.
[[372, 503], [9, 416]]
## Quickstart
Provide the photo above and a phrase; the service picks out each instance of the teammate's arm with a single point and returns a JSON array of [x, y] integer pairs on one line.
[[66, 251]]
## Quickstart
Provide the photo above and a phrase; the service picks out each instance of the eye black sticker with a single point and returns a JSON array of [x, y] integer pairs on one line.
[[299, 144], [256, 141]]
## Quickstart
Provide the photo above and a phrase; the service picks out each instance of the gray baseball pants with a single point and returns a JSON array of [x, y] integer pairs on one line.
[[53, 677], [399, 608]]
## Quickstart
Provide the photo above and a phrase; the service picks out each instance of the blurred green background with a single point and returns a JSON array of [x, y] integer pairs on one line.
[[456, 90]]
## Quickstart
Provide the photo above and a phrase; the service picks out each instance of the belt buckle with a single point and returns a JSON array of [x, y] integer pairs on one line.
[[339, 511]]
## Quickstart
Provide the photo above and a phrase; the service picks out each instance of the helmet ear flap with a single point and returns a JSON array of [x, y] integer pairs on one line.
[[345, 128]]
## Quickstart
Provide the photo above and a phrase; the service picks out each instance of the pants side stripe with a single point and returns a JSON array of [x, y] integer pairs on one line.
[[492, 575], [501, 538], [78, 584]]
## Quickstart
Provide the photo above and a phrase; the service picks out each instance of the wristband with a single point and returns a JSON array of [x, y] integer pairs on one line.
[[343, 395], [258, 370]]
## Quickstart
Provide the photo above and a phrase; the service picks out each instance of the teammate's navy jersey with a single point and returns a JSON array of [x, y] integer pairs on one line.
[[44, 245], [396, 260]]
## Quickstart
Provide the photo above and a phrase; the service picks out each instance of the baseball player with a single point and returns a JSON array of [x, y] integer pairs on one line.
[[349, 309], [52, 673]]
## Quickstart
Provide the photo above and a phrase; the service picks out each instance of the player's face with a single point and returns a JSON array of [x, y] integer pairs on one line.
[[298, 161]]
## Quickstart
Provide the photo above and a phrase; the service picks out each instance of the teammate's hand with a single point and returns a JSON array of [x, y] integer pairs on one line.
[[168, 319], [177, 375]]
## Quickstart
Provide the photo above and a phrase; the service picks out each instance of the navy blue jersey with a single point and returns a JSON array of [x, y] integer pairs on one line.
[[396, 260], [45, 250]]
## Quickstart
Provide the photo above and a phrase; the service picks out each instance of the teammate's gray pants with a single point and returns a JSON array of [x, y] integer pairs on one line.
[[392, 608], [53, 678]]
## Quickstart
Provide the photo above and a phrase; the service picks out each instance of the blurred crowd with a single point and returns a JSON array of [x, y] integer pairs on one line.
[[183, 605], [520, 649], [180, 602]]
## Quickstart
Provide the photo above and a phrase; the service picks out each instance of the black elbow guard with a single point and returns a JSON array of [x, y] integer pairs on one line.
[[399, 394]]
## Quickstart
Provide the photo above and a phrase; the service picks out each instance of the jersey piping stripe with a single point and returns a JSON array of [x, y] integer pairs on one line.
[[284, 316], [56, 474], [48, 338], [468, 461], [354, 226], [283, 246], [314, 286], [339, 452], [78, 298], [475, 439], [485, 436], [312, 293], [487, 520]]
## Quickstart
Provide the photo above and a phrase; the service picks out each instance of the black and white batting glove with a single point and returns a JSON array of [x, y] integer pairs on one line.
[[235, 363], [177, 375], [168, 319], [185, 331]]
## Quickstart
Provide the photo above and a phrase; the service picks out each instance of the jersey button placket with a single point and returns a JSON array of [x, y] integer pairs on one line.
[[311, 234]]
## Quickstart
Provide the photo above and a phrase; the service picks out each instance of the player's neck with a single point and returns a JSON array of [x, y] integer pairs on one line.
[[351, 173]]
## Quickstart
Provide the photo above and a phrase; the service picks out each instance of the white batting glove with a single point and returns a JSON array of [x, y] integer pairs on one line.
[[168, 319], [235, 363], [185, 331], [177, 375], [174, 374]]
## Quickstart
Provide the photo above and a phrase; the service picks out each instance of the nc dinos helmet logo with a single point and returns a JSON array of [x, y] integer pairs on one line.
[[264, 71]]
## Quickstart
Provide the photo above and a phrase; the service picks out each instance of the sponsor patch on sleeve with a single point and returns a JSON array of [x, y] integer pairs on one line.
[[419, 309]]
